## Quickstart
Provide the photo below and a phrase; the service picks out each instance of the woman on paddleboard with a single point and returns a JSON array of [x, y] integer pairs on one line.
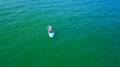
[[50, 31]]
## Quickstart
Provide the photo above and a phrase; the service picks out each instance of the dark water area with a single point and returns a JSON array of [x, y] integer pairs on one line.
[[87, 33]]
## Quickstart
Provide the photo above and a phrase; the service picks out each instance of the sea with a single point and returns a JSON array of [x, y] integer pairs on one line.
[[87, 33]]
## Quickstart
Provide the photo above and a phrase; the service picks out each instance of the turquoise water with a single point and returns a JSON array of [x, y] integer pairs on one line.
[[87, 33]]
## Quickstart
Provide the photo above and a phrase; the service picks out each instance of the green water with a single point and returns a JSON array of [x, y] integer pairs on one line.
[[87, 33]]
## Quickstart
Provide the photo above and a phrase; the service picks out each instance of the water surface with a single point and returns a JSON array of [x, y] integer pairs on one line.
[[87, 33]]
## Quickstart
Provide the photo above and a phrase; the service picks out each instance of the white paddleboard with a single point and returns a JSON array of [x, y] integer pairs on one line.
[[51, 35]]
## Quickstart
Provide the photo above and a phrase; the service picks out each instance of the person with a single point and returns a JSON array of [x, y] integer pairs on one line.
[[50, 29]]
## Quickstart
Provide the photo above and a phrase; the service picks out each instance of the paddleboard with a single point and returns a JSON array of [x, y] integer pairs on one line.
[[51, 34]]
